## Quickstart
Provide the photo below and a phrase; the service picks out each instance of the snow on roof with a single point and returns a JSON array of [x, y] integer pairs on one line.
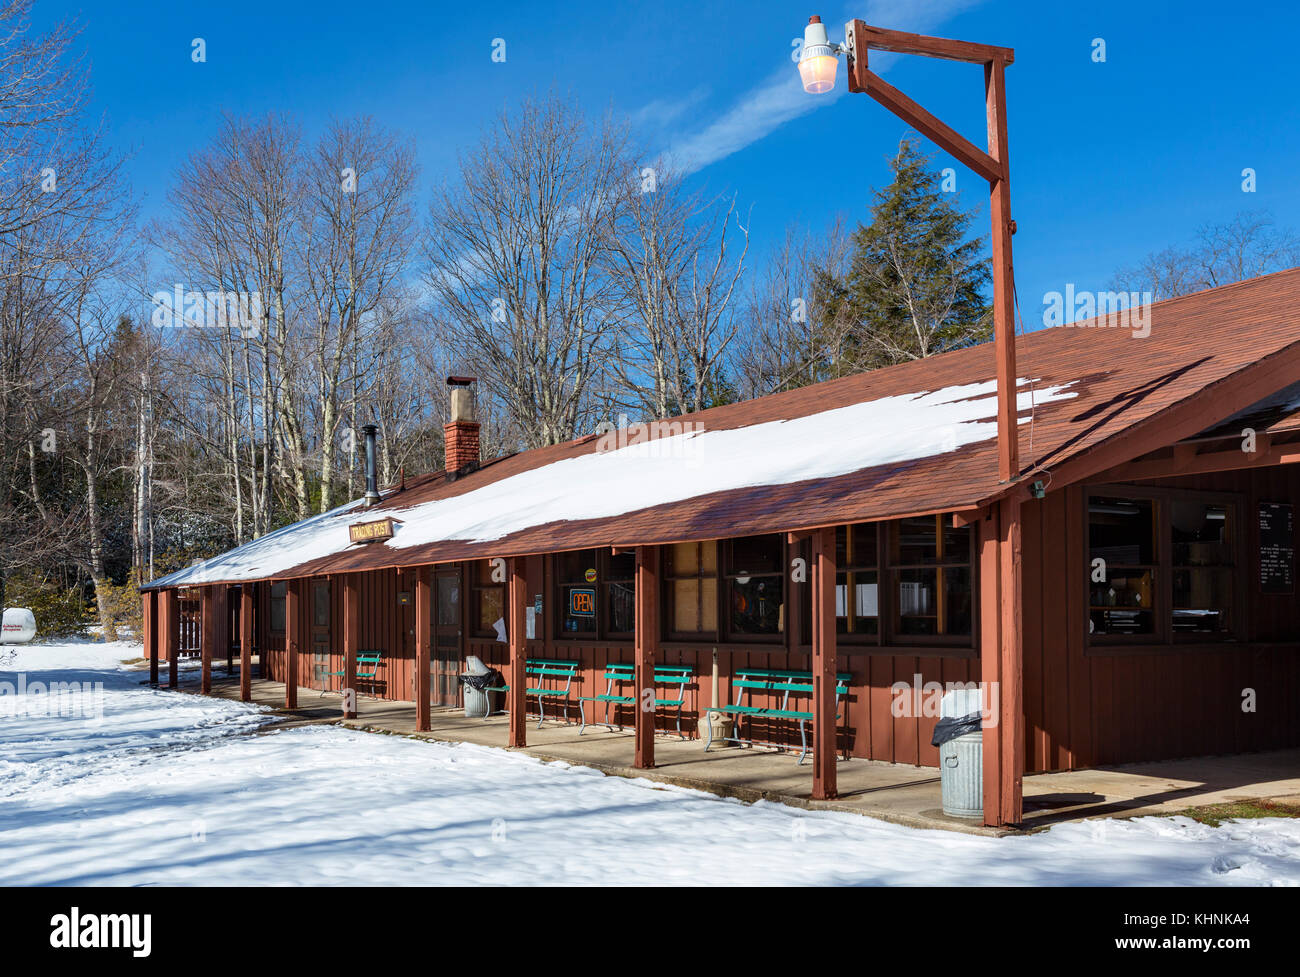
[[683, 464]]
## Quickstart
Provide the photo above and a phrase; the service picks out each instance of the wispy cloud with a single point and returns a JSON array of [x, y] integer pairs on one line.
[[780, 97]]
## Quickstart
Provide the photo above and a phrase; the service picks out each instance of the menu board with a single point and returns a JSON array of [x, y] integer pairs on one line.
[[1276, 548]]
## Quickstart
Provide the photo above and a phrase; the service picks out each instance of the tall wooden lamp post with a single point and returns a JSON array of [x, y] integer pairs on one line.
[[1000, 630]]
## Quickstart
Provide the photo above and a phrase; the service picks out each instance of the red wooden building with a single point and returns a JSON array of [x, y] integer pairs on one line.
[[856, 526]]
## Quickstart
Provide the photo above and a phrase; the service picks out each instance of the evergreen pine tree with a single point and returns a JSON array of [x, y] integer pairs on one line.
[[916, 284]]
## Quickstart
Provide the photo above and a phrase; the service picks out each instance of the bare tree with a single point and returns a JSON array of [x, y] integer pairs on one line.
[[1247, 246], [514, 261], [230, 233], [794, 334], [674, 279], [358, 229]]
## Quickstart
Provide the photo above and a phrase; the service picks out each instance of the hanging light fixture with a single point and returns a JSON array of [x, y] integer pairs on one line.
[[818, 60]]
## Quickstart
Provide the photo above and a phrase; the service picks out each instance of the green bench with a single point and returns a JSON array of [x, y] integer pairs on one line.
[[770, 681], [671, 675], [368, 665], [559, 674]]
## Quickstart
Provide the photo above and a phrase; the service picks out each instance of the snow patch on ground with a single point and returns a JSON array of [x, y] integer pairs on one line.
[[165, 791]]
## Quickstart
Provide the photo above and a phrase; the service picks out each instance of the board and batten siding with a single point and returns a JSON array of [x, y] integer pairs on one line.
[[1084, 706], [1095, 705]]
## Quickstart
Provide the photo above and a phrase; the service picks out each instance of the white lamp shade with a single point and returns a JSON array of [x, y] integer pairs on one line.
[[818, 61], [818, 73]]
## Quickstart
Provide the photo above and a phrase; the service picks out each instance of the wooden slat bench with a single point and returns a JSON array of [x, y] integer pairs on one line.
[[678, 676], [559, 673], [368, 665], [747, 681]]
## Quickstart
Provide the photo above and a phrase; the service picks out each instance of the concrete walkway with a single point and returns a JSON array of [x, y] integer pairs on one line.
[[891, 792]]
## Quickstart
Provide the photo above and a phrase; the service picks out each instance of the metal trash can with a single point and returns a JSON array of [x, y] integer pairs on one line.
[[475, 678], [960, 741]]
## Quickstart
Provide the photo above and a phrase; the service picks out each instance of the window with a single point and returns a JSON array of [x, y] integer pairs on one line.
[[1122, 555], [618, 587], [595, 594], [755, 583], [930, 578], [857, 600], [489, 599], [1202, 566], [320, 615], [732, 590], [1161, 566], [691, 574], [278, 591], [575, 577]]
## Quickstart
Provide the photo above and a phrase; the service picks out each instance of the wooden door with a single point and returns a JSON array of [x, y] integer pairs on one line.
[[448, 615], [320, 634]]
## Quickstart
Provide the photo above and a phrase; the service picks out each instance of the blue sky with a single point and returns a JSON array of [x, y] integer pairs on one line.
[[1109, 161]]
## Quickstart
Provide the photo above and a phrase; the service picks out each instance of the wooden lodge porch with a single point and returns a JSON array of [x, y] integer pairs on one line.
[[899, 793]]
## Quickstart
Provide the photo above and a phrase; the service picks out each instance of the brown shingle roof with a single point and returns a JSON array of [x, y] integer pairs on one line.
[[1197, 345]]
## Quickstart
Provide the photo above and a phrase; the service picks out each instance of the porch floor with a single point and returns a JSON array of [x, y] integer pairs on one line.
[[899, 793]]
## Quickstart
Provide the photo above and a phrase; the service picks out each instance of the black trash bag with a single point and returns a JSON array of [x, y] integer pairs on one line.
[[951, 727], [480, 682]]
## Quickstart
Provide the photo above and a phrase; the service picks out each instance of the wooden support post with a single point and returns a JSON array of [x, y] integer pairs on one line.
[[423, 647], [517, 597], [825, 741], [150, 599], [1002, 663], [171, 631], [207, 636], [351, 641], [1004, 296], [292, 638], [1011, 697], [246, 643], [990, 645], [647, 650]]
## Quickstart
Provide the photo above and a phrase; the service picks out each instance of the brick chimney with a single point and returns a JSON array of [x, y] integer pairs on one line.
[[460, 434]]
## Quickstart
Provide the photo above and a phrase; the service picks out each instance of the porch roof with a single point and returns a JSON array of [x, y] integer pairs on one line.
[[910, 439]]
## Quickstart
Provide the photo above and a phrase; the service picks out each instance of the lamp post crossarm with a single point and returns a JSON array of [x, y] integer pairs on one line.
[[929, 125], [901, 42]]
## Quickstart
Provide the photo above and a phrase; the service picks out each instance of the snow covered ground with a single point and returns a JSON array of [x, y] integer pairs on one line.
[[167, 788]]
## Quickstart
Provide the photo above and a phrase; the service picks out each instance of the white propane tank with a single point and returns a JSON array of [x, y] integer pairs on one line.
[[19, 626]]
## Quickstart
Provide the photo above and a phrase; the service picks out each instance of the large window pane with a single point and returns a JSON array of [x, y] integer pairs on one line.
[[754, 584], [695, 605], [1202, 600], [278, 592], [754, 555], [1122, 565], [491, 608], [1200, 534], [691, 569], [916, 541], [856, 603], [931, 577], [1123, 603], [755, 605], [1122, 531], [620, 593], [577, 593], [957, 600], [915, 601], [855, 546]]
